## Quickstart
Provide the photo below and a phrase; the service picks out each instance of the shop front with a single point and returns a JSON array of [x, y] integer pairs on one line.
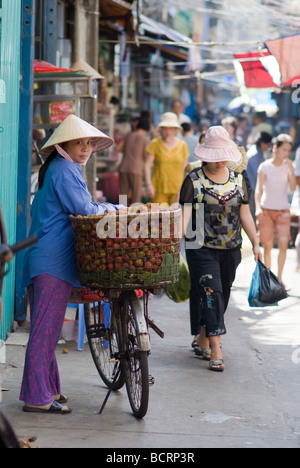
[[57, 94]]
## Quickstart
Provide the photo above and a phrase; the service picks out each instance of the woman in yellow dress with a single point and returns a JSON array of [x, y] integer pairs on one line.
[[168, 156]]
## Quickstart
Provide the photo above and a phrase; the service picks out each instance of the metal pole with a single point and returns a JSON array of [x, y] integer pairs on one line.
[[86, 48], [25, 144]]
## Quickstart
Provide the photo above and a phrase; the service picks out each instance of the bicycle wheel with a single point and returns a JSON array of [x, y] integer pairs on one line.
[[103, 339], [135, 361], [8, 438]]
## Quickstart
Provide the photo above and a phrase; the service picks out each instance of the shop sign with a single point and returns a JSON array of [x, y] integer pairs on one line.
[[60, 110]]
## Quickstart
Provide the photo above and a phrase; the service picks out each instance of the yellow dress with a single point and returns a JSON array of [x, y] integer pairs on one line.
[[168, 173]]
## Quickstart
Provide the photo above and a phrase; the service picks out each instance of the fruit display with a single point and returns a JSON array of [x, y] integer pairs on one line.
[[128, 248]]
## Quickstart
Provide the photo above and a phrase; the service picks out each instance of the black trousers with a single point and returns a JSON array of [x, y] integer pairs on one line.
[[208, 309]]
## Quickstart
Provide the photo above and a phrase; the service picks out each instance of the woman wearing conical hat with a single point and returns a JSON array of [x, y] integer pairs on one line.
[[50, 269]]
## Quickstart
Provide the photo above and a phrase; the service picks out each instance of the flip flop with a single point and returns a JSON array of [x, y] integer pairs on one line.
[[54, 408], [217, 365], [62, 399], [194, 344], [204, 353]]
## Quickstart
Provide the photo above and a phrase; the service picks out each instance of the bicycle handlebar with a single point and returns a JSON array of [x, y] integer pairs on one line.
[[8, 251], [24, 244]]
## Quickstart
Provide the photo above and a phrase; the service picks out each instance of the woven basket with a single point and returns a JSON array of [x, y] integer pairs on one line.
[[148, 255]]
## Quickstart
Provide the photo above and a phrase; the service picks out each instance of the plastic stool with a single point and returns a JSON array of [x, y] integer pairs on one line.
[[107, 317], [81, 324]]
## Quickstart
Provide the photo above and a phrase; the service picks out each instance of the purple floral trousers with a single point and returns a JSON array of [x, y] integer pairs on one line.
[[48, 298]]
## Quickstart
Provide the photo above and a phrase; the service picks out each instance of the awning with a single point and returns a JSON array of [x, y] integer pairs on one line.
[[153, 32], [79, 68], [119, 11], [41, 66], [160, 30], [278, 66], [286, 50], [255, 70]]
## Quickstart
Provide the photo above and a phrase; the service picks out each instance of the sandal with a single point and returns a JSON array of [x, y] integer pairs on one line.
[[54, 408], [204, 353], [62, 399], [195, 342], [217, 365]]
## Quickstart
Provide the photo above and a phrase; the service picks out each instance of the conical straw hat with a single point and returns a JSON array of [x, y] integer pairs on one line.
[[74, 128], [82, 66]]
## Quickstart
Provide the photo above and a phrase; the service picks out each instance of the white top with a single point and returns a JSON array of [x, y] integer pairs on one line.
[[297, 163], [276, 186]]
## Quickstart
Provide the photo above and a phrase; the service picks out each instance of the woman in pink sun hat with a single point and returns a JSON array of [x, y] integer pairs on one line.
[[216, 208]]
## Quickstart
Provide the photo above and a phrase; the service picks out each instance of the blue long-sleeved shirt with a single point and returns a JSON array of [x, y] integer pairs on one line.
[[64, 192]]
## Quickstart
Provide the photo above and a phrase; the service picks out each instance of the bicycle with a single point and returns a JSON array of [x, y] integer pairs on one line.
[[118, 336], [7, 436], [117, 324]]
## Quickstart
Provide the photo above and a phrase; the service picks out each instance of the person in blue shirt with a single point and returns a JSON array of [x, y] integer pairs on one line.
[[255, 160], [50, 269]]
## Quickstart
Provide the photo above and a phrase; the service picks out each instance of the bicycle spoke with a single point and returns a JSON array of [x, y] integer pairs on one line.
[[104, 343], [135, 361]]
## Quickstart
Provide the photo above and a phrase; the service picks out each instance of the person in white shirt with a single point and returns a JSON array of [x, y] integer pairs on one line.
[[177, 108], [275, 177]]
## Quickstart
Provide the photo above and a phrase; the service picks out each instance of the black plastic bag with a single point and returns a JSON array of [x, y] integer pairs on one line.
[[253, 298], [271, 290]]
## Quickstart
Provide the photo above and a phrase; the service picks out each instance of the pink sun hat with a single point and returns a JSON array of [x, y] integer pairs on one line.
[[217, 147]]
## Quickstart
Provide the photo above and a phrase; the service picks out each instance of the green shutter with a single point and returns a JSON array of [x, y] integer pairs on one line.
[[10, 14]]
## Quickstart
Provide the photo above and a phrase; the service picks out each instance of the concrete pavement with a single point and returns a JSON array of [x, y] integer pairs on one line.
[[253, 404]]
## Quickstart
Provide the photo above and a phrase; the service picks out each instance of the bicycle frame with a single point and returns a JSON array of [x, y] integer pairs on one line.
[[143, 335], [120, 344]]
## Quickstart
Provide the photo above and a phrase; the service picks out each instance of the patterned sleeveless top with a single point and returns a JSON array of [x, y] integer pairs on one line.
[[222, 203]]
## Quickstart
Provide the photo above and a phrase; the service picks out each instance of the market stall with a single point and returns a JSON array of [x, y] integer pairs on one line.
[[59, 92]]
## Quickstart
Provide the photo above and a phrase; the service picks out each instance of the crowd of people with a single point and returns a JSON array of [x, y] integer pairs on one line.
[[244, 175], [156, 160]]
